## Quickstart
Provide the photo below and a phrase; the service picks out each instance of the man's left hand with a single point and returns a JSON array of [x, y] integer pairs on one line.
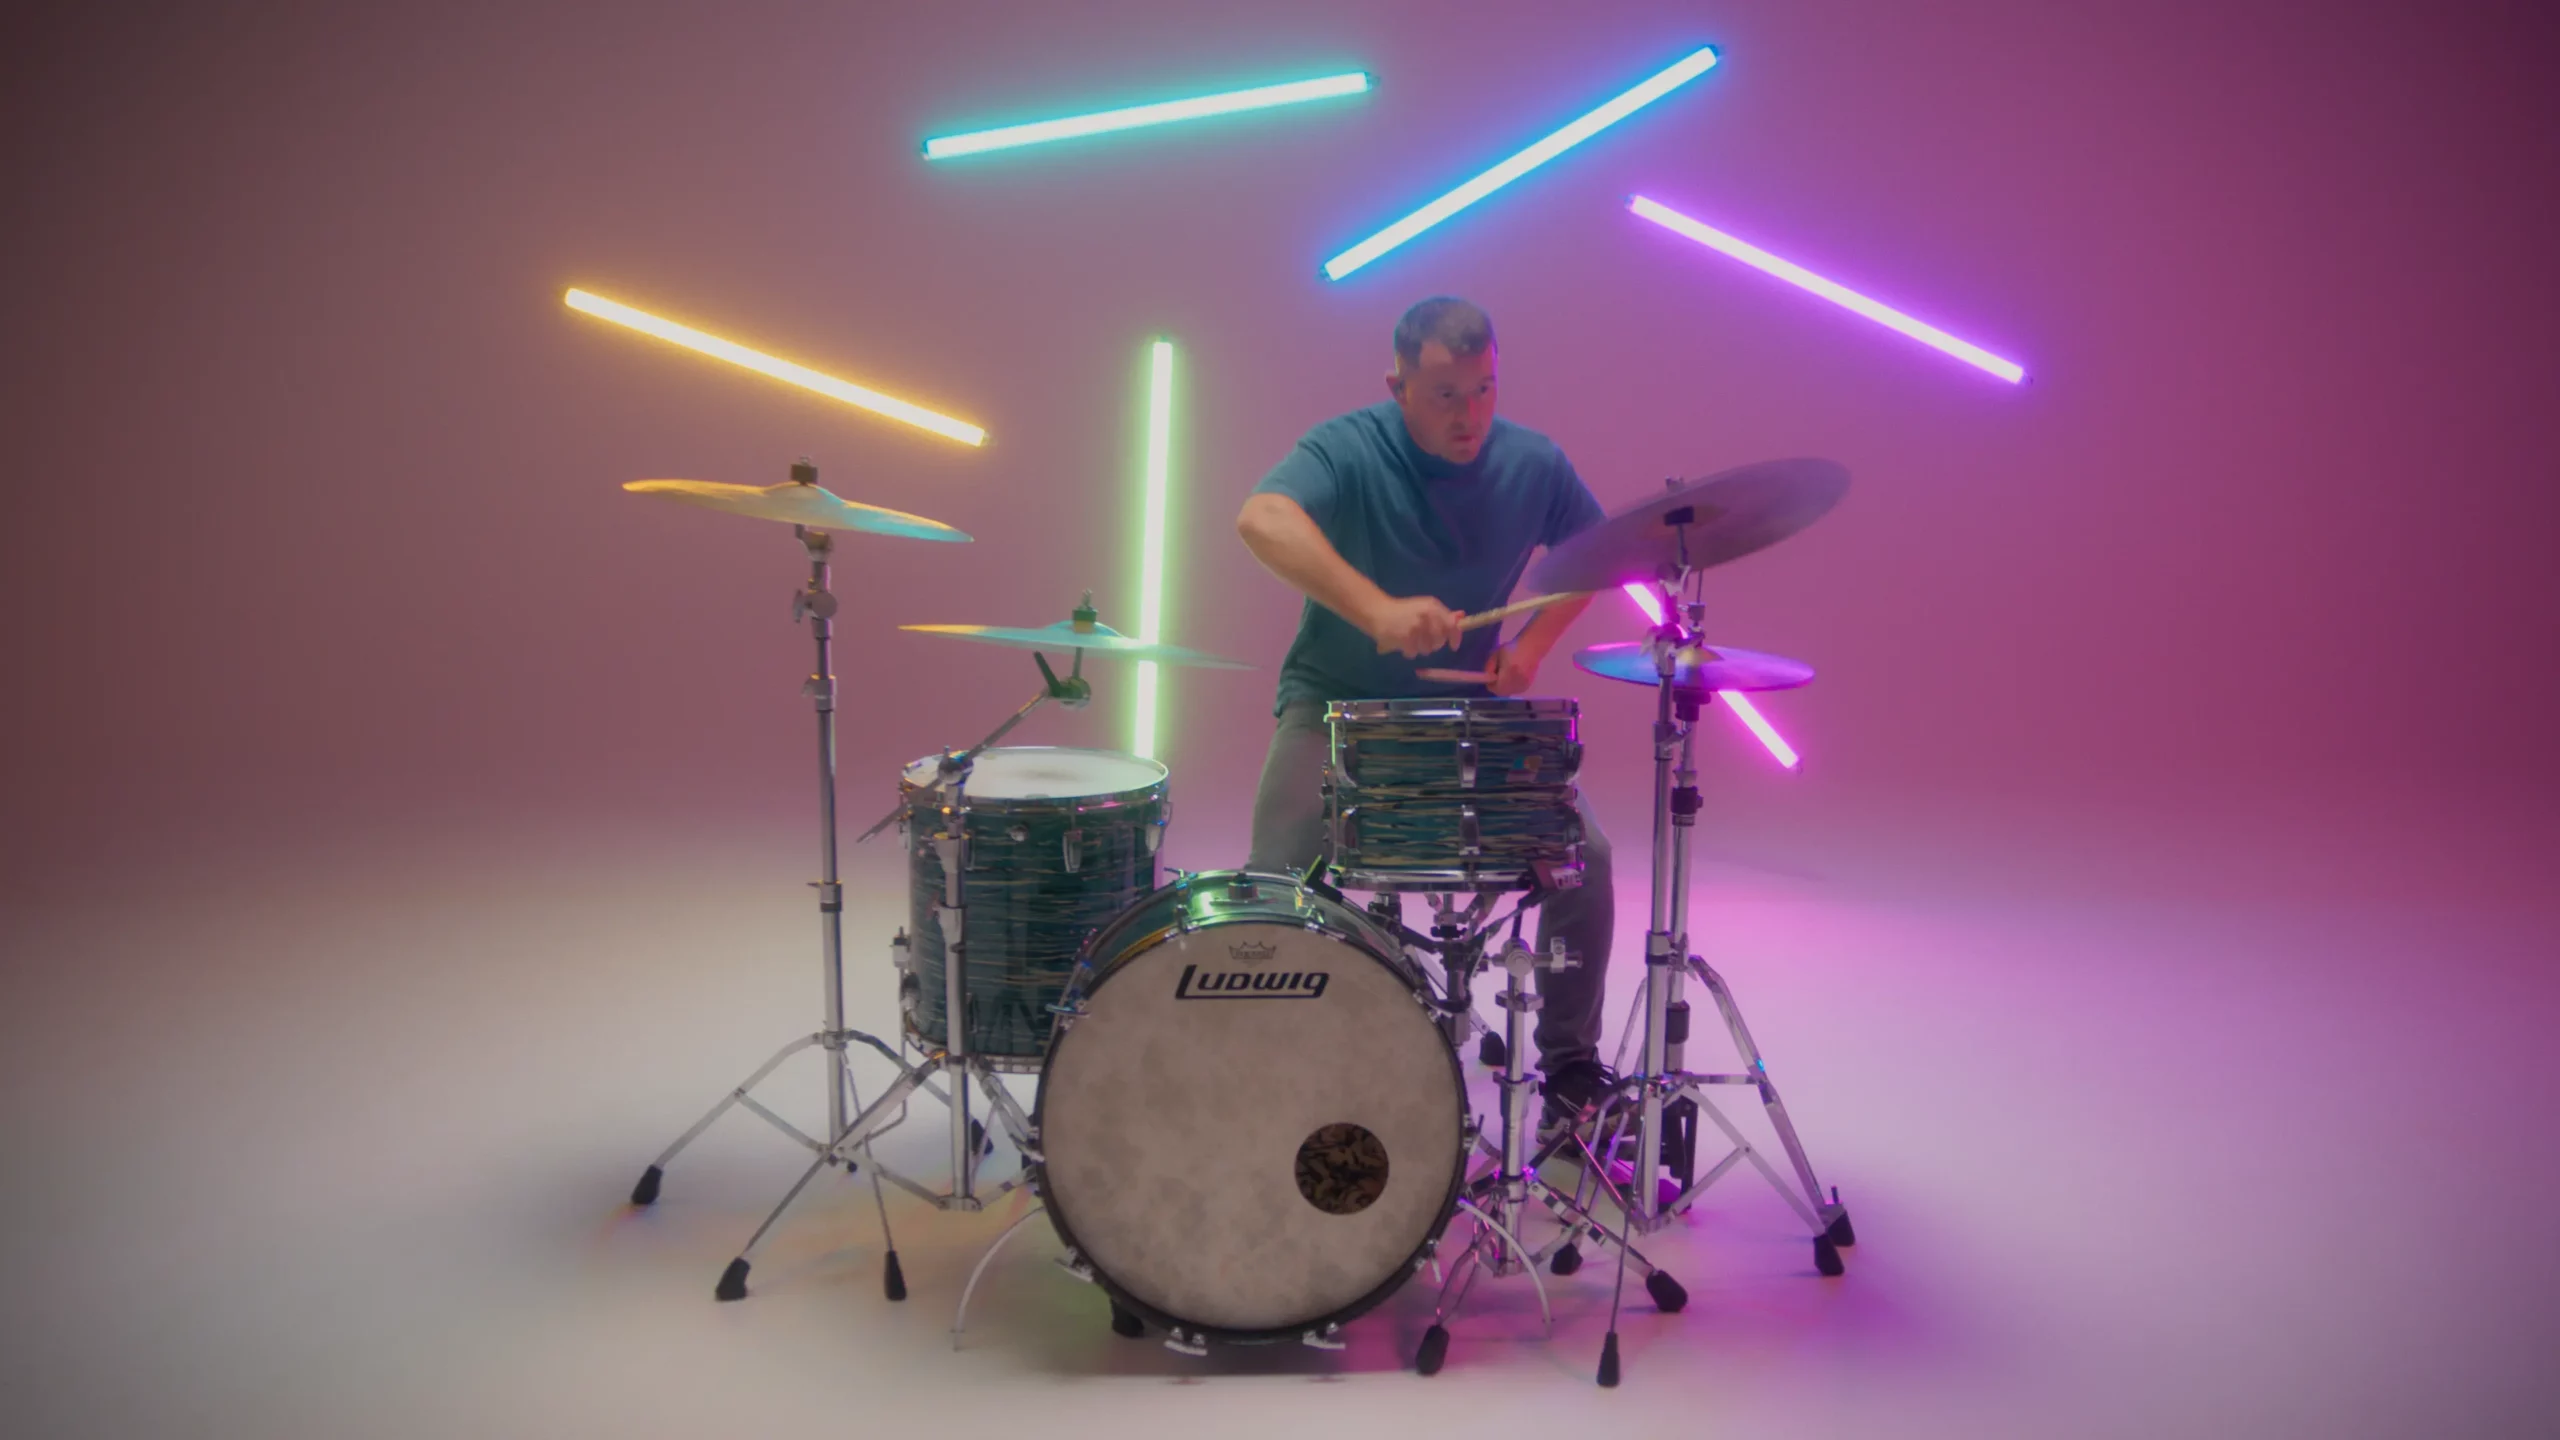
[[1512, 672]]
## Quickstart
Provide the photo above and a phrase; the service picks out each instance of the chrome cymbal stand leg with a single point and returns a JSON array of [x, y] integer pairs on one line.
[[733, 1281], [952, 845]]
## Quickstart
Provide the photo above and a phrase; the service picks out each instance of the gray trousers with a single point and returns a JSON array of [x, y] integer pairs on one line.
[[1288, 834]]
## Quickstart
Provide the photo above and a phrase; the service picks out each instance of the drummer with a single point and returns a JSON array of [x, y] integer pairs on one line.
[[1395, 521]]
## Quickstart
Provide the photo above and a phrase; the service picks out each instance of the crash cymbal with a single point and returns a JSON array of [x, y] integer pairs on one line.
[[1701, 667], [1695, 524], [1081, 632], [795, 503]]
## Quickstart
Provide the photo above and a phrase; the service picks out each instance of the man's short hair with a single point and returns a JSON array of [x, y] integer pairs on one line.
[[1445, 320]]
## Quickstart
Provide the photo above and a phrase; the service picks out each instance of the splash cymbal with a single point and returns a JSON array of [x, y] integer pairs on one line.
[[1085, 633]]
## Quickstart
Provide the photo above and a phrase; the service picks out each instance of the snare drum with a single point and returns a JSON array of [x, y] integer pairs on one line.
[[1453, 794], [1054, 842], [1251, 1126]]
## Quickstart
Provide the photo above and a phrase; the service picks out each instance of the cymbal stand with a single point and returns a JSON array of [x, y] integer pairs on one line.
[[1661, 1090], [848, 1134], [970, 1141]]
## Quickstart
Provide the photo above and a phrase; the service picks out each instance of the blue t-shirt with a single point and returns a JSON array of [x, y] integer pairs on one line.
[[1417, 525]]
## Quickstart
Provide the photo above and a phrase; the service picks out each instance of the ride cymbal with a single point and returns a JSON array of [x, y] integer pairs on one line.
[[1695, 524]]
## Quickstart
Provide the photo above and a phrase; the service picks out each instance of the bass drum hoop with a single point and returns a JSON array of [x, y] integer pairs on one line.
[[1397, 1278]]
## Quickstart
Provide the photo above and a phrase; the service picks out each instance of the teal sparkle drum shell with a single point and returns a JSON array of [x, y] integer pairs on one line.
[[1453, 794], [1057, 842]]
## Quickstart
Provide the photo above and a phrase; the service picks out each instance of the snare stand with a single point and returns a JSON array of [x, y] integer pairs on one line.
[[1499, 1197]]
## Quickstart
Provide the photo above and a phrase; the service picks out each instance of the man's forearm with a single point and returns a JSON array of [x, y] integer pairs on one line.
[[1542, 632], [1287, 542]]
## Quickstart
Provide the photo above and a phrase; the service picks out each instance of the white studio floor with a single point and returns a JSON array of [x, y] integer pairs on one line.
[[327, 1141]]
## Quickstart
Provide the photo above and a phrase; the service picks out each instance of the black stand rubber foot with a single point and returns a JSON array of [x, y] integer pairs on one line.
[[893, 1281], [1434, 1352], [1566, 1260], [1668, 1296], [1492, 1051], [646, 1192], [1826, 1256], [1840, 1234], [733, 1282], [1609, 1362], [1125, 1322]]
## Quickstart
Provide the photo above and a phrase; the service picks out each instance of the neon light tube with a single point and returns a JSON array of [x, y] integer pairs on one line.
[[1159, 451], [1689, 68], [782, 370], [1744, 711], [1263, 97], [1837, 294], [1646, 600]]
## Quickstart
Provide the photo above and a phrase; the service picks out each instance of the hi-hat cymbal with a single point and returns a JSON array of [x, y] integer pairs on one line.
[[1091, 636], [794, 503], [1700, 667], [1695, 524]]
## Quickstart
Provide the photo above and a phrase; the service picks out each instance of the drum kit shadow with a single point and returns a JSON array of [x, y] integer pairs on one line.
[[1251, 1123]]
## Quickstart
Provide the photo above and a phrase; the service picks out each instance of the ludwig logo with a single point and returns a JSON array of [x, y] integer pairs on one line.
[[1243, 985], [1252, 952]]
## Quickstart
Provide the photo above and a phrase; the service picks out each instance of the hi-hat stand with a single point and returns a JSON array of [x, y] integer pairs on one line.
[[1662, 1098]]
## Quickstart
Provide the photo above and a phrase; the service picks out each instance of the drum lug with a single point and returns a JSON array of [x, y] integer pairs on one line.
[[1470, 833], [1325, 1341], [1155, 837], [949, 918], [1076, 1265], [1196, 1346], [902, 953], [1467, 764], [1072, 845]]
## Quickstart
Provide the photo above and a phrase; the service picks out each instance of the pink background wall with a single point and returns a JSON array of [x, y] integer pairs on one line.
[[316, 520], [405, 831]]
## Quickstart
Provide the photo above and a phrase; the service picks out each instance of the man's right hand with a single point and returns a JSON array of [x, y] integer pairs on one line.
[[1414, 626]]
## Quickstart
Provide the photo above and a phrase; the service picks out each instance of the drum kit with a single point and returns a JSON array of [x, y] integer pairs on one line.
[[1250, 1121]]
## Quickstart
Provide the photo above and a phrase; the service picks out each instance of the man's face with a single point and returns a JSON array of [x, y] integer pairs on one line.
[[1447, 401]]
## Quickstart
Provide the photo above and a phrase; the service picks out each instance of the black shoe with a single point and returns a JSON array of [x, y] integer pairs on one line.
[[1574, 1091]]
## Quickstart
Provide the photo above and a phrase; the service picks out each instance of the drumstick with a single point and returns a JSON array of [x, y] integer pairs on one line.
[[1488, 617], [1462, 677]]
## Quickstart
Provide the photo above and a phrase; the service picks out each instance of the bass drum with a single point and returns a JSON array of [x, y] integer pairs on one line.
[[1253, 1129]]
